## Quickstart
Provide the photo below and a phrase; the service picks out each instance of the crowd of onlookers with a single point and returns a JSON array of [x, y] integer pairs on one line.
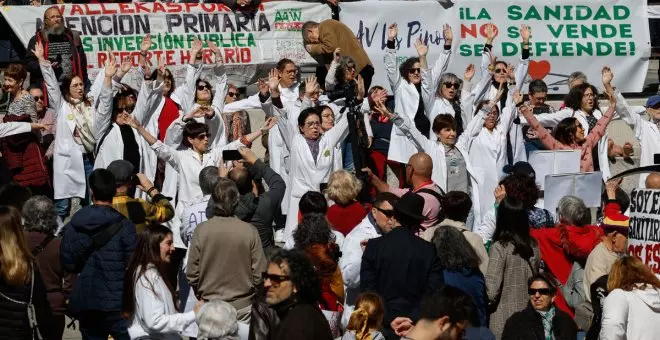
[[412, 217]]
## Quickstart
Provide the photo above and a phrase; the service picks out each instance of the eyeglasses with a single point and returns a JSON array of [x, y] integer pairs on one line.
[[38, 98], [275, 279], [454, 85], [202, 87], [312, 124], [388, 213], [415, 70], [233, 94], [542, 291], [127, 109], [202, 136], [500, 70]]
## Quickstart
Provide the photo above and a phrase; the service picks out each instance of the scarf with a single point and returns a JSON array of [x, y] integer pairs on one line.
[[592, 121], [313, 147], [546, 318], [82, 134], [458, 117], [131, 148], [422, 122]]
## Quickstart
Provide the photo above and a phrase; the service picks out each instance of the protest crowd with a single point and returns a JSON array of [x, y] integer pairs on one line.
[[410, 209]]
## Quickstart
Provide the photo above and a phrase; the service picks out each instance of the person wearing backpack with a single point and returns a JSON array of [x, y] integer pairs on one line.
[[22, 292], [97, 244]]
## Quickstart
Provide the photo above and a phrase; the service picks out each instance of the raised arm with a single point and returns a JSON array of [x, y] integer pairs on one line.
[[390, 58], [422, 143], [487, 57], [163, 151], [622, 108], [541, 132], [286, 128], [332, 70], [431, 77], [509, 111], [52, 85], [149, 97], [103, 114], [186, 92], [523, 66]]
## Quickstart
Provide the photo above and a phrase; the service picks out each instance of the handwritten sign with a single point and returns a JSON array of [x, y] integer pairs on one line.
[[644, 237]]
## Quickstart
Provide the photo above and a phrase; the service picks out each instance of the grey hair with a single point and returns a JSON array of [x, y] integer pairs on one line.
[[39, 215], [225, 197], [449, 78], [343, 62], [208, 178], [217, 320], [572, 210], [577, 75]]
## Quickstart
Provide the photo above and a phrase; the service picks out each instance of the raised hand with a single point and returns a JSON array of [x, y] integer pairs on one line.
[[39, 51], [274, 80], [469, 72], [500, 193], [379, 96], [500, 92], [248, 155], [448, 33], [392, 31], [517, 97], [161, 66], [195, 50], [525, 33], [126, 65], [110, 66], [491, 33], [270, 122], [145, 45], [336, 55], [611, 98], [310, 86], [129, 120], [383, 110], [214, 48], [422, 49], [611, 186], [608, 75]]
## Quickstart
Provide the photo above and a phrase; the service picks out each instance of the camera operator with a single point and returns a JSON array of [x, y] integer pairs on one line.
[[322, 39]]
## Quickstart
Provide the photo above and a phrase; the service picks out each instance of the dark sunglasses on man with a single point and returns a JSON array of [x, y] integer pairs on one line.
[[128, 109], [415, 70], [38, 98], [542, 291], [276, 279]]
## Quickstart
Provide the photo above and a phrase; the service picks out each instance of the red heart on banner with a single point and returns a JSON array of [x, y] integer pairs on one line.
[[538, 69]]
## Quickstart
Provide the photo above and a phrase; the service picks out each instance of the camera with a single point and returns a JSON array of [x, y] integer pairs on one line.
[[347, 90]]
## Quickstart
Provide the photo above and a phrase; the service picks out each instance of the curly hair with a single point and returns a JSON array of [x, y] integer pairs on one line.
[[574, 97], [454, 251], [566, 130], [302, 274], [406, 66], [340, 75], [343, 187], [523, 188], [313, 229], [39, 215]]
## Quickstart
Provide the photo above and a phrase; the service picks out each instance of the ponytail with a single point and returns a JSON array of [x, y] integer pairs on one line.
[[359, 322]]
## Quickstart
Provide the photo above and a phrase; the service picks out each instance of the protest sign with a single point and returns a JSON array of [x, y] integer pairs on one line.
[[587, 186], [644, 237], [567, 35], [553, 163], [263, 37]]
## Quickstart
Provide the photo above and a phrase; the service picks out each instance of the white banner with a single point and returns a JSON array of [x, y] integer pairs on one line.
[[272, 33], [644, 237], [567, 35]]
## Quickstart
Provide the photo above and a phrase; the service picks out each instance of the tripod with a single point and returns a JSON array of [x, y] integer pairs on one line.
[[357, 135]]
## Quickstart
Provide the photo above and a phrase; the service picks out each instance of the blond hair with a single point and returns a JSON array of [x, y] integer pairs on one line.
[[15, 256], [343, 187], [368, 315], [630, 272]]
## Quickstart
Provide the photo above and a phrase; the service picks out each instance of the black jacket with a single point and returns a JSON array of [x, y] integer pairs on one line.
[[79, 57], [13, 318], [402, 268], [101, 280], [527, 325]]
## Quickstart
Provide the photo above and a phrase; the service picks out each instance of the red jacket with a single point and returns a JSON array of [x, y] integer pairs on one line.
[[561, 246], [24, 156]]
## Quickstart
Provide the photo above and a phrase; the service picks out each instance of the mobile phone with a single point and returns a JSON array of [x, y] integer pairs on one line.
[[541, 109], [231, 155]]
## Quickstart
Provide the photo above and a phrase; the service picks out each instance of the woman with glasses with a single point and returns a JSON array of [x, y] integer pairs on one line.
[[541, 319], [148, 299], [407, 87], [22, 151], [312, 153]]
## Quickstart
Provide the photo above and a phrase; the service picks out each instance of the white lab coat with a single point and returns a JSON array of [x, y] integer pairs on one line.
[[155, 314], [487, 152], [646, 133], [552, 119], [436, 150], [406, 101], [306, 173], [70, 180], [13, 128]]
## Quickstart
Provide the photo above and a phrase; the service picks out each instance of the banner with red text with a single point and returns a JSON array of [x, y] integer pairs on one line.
[[567, 35], [245, 39], [644, 237]]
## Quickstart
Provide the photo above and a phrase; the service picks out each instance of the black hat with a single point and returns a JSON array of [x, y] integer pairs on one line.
[[520, 168], [410, 205], [122, 170]]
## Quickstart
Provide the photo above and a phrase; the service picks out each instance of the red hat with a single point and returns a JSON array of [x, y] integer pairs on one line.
[[614, 220]]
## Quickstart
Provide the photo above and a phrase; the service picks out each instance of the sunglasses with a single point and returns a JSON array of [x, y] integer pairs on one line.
[[202, 136], [415, 70], [276, 279], [233, 94], [38, 98], [127, 109], [500, 70], [387, 213], [450, 85], [542, 291], [202, 87]]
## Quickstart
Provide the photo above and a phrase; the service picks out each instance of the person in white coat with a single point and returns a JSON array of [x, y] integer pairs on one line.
[[312, 154], [631, 310], [148, 299], [646, 132], [452, 169], [406, 83], [380, 217], [74, 142]]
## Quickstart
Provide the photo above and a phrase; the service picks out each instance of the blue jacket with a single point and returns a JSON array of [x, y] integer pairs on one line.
[[101, 276], [473, 283]]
